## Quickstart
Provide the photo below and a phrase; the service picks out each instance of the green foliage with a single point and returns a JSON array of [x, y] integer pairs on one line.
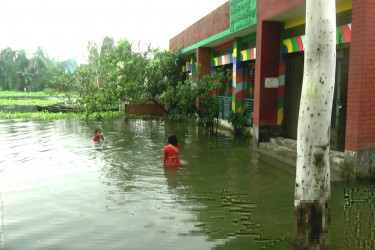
[[240, 123], [119, 75], [195, 97], [26, 77], [8, 69], [38, 66], [38, 63], [18, 72], [82, 92], [162, 73], [107, 47], [126, 72]]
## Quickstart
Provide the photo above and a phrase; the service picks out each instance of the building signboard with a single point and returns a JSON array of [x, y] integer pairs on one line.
[[243, 14], [271, 82]]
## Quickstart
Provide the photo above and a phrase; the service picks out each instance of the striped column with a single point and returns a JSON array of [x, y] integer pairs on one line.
[[251, 80], [193, 64], [281, 92], [213, 70], [237, 80]]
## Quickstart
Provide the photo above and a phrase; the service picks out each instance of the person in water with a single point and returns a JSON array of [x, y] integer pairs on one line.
[[171, 152], [98, 135]]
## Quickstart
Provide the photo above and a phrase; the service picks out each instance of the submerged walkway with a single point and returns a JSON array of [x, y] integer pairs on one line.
[[285, 150]]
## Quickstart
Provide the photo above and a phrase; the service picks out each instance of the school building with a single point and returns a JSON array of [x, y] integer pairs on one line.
[[262, 42]]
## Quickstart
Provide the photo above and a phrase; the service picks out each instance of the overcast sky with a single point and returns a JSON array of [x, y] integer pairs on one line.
[[64, 27]]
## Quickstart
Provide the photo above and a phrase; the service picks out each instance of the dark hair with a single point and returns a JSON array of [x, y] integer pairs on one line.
[[97, 130], [172, 139]]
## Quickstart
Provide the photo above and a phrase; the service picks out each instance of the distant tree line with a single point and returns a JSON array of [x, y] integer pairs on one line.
[[19, 73], [123, 73]]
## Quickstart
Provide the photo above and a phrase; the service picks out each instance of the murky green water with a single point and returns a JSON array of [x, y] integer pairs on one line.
[[60, 190]]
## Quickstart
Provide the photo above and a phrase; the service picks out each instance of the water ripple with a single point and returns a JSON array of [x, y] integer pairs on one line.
[[60, 190]]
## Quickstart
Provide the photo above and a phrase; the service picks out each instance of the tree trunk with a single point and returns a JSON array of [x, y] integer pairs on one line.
[[312, 188]]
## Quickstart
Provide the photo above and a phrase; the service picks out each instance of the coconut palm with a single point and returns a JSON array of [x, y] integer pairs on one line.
[[38, 63], [38, 66], [26, 77]]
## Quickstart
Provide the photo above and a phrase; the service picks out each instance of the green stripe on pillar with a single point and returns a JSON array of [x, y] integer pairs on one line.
[[294, 44], [239, 106], [339, 36], [193, 62], [237, 70], [280, 102], [248, 54]]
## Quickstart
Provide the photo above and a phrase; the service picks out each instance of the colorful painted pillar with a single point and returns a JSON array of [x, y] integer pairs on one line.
[[237, 80], [193, 63], [213, 69], [246, 55], [281, 92]]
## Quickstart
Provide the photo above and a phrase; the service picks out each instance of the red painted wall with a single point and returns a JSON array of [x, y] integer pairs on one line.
[[204, 60], [266, 65], [270, 8], [144, 109], [210, 25], [268, 58], [360, 125]]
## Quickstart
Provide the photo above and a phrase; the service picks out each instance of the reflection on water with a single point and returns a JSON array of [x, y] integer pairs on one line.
[[2, 238], [359, 218], [18, 108], [61, 190]]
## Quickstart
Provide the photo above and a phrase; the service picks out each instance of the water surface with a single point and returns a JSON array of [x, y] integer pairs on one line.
[[60, 190]]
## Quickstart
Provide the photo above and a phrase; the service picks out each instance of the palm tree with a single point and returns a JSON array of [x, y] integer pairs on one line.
[[38, 63], [38, 66], [26, 77]]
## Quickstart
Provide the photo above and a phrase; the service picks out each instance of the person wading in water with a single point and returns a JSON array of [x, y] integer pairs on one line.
[[98, 135], [171, 152]]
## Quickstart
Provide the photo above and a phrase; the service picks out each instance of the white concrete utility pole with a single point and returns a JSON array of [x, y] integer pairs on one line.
[[312, 187]]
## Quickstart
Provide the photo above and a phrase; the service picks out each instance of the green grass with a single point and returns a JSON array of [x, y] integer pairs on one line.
[[11, 102], [23, 94], [8, 101], [54, 116]]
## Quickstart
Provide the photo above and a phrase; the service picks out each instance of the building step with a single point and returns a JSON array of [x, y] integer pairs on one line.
[[285, 150], [279, 152], [285, 142]]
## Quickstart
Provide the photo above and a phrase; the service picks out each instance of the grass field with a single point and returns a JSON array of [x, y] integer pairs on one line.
[[52, 116], [11, 94], [40, 102], [6, 99]]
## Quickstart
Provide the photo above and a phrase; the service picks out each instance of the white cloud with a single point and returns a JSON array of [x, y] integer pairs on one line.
[[64, 28]]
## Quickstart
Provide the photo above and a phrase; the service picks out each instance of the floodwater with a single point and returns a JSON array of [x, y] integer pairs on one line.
[[60, 190]]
